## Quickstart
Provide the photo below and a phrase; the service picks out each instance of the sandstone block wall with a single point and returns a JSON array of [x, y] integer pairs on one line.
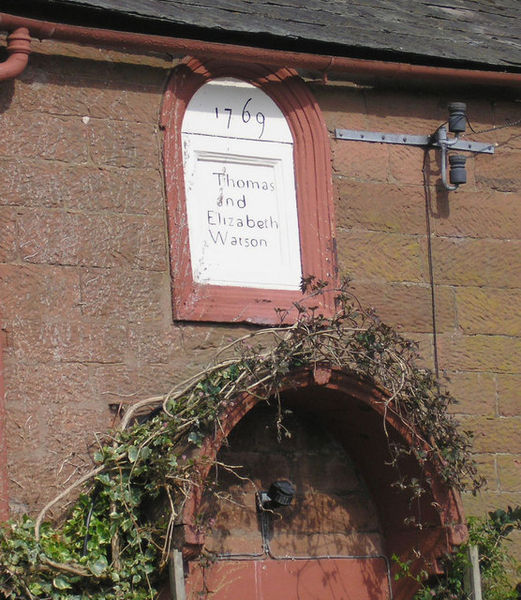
[[84, 278]]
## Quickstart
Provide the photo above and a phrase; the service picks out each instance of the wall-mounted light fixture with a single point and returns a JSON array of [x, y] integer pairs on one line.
[[280, 493], [457, 123]]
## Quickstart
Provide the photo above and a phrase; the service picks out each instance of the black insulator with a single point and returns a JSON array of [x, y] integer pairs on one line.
[[457, 117], [458, 173], [281, 493]]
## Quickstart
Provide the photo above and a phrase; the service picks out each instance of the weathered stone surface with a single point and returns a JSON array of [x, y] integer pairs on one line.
[[494, 434], [509, 395], [98, 240], [39, 291], [363, 162], [379, 207], [8, 244], [44, 136], [509, 472], [489, 310], [408, 306], [480, 353], [49, 184], [477, 262], [475, 393], [88, 340], [343, 108], [131, 295], [480, 214], [379, 257], [122, 144]]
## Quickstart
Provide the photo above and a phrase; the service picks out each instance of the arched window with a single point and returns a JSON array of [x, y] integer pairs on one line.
[[248, 190]]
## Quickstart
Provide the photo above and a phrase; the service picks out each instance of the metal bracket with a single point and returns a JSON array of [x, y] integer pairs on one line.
[[410, 140]]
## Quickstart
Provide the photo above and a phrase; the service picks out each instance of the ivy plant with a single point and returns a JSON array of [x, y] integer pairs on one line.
[[499, 569]]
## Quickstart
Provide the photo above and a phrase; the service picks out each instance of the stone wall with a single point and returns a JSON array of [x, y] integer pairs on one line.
[[84, 277]]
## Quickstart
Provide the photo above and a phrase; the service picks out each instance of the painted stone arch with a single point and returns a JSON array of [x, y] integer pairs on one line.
[[302, 129], [351, 412]]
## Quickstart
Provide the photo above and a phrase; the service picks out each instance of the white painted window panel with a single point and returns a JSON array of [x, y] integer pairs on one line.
[[242, 212]]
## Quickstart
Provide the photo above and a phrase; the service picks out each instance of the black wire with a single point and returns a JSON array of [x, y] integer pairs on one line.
[[431, 267], [496, 128]]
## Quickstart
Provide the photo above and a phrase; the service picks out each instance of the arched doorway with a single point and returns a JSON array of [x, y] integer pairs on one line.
[[349, 516]]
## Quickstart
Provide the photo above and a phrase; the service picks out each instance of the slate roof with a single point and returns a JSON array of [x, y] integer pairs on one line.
[[481, 33]]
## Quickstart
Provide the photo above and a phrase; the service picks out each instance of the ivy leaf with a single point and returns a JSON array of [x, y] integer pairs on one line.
[[99, 566], [133, 453], [61, 583]]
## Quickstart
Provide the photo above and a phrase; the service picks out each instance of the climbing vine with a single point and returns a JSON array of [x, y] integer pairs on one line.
[[113, 545], [498, 568]]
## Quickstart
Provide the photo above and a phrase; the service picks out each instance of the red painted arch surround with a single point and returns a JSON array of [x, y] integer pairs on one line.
[[353, 410], [312, 160]]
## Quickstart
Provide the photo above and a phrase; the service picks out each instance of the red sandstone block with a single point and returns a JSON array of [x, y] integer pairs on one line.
[[406, 164], [362, 161], [57, 86], [136, 103], [499, 171], [34, 183], [115, 383], [394, 111], [39, 90], [124, 294], [154, 343], [481, 214], [45, 136], [92, 240], [86, 341], [342, 108], [475, 393], [509, 395], [493, 434], [493, 353], [39, 183], [379, 206], [375, 256], [122, 144], [489, 310], [476, 262], [39, 291], [509, 471], [407, 306], [137, 191], [8, 246], [49, 383], [152, 244]]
